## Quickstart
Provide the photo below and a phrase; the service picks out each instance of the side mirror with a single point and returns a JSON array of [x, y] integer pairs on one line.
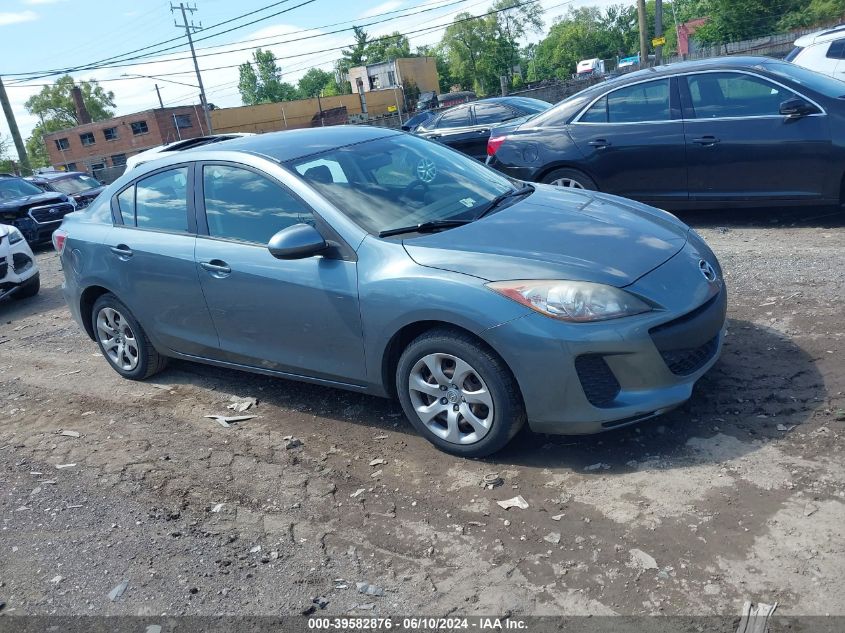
[[297, 242], [795, 108]]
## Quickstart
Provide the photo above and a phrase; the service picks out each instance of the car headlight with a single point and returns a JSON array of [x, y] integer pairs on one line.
[[15, 236], [575, 301]]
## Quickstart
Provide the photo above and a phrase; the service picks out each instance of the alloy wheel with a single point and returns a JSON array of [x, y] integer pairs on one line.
[[117, 339], [568, 183], [451, 399]]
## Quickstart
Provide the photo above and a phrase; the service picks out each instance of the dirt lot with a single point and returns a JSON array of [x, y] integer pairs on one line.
[[739, 494]]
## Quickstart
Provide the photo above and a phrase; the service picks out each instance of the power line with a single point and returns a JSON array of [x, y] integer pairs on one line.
[[287, 41], [278, 43]]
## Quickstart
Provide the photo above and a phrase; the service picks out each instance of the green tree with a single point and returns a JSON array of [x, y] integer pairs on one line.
[[469, 42], [56, 110], [815, 12], [315, 82], [513, 22], [389, 47], [355, 55], [262, 82]]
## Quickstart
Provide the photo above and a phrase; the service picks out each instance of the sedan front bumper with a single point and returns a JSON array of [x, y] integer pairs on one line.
[[581, 378]]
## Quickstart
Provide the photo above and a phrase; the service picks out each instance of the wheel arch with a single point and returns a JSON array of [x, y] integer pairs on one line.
[[407, 333], [547, 169], [87, 300]]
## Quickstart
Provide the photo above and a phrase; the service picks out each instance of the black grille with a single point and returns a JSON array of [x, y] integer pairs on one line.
[[683, 362], [597, 380], [50, 213]]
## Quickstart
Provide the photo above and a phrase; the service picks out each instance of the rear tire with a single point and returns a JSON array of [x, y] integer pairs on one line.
[[29, 288], [570, 179], [470, 404], [123, 341]]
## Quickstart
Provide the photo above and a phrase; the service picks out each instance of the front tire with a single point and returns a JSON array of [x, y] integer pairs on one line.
[[458, 394], [29, 288], [123, 341], [570, 179]]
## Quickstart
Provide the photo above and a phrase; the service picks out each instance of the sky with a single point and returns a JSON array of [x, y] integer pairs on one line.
[[50, 35]]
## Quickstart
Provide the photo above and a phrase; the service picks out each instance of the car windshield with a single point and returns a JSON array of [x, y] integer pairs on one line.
[[828, 86], [400, 181], [11, 188], [75, 184]]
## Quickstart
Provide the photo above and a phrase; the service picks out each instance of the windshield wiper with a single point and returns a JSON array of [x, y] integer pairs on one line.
[[424, 227], [495, 202]]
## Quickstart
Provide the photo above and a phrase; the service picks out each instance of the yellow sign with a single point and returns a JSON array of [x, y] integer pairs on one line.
[[658, 41], [391, 108]]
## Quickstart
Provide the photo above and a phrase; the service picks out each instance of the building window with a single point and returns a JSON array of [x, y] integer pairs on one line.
[[182, 121], [375, 84], [111, 134], [139, 127], [62, 144], [70, 167], [118, 159], [97, 167], [391, 78], [87, 138]]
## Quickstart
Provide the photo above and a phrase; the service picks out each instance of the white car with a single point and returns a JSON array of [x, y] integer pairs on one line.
[[165, 150], [823, 51], [19, 277]]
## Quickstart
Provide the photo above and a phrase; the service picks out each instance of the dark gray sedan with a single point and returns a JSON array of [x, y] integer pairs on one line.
[[723, 132], [381, 262]]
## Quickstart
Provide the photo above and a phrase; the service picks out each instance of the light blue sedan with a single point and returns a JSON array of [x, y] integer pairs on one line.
[[376, 261]]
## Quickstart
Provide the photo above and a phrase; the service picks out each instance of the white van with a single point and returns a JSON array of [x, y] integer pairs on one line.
[[823, 51]]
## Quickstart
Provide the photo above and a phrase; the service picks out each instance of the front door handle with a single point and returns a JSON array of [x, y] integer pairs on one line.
[[599, 143], [217, 267], [122, 251], [707, 141], [483, 131]]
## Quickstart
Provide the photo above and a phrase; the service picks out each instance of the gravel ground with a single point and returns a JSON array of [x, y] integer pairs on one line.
[[738, 495]]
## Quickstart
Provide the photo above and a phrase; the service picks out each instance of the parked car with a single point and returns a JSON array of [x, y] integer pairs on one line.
[[466, 127], [415, 121], [34, 212], [822, 51], [179, 146], [589, 68], [377, 261], [740, 132], [19, 277], [75, 184]]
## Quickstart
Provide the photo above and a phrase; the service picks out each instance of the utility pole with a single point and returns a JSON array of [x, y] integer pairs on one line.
[[13, 128], [189, 28], [643, 33], [658, 31], [160, 102]]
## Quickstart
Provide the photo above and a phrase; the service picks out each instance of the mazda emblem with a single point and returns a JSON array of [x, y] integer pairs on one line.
[[707, 270]]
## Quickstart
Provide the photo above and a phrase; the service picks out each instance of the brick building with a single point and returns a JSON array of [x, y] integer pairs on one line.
[[104, 144]]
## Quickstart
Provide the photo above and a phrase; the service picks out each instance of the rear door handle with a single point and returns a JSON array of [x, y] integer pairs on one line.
[[122, 251], [217, 267], [705, 140], [599, 143]]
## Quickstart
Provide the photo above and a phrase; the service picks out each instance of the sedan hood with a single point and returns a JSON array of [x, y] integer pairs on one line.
[[557, 234]]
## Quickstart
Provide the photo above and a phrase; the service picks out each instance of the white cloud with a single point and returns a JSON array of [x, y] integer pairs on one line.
[[379, 9], [15, 18]]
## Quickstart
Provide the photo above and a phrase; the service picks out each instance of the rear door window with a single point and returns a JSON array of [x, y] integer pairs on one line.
[[243, 205], [457, 117], [161, 201], [642, 102], [487, 113]]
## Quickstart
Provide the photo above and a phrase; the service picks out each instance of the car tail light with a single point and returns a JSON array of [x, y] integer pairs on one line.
[[494, 143], [59, 237]]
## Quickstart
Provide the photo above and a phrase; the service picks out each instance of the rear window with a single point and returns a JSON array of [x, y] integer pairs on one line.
[[793, 53]]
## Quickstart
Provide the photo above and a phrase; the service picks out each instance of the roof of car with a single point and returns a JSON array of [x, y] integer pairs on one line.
[[825, 35], [292, 144], [711, 63]]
